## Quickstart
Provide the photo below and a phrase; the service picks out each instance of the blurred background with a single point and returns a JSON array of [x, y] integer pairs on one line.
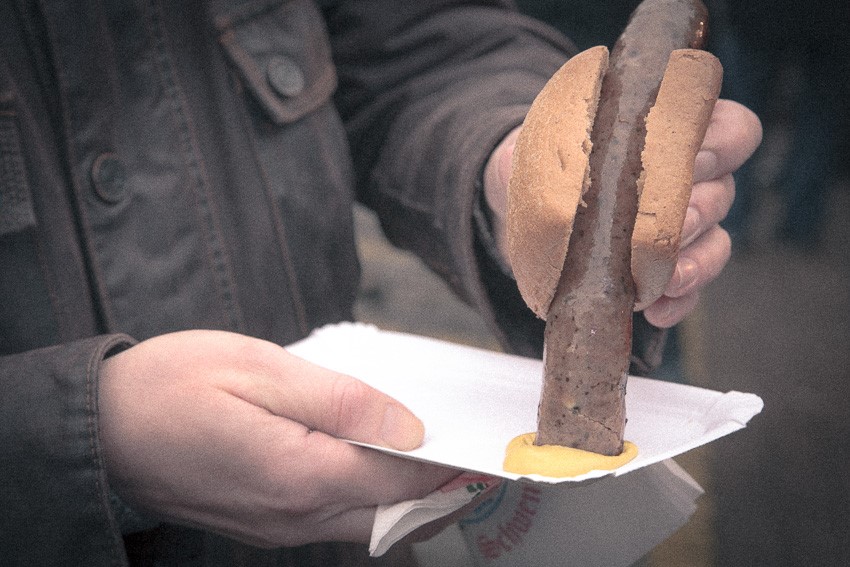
[[777, 321]]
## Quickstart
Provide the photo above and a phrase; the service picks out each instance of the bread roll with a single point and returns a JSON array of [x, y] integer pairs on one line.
[[552, 172], [675, 128]]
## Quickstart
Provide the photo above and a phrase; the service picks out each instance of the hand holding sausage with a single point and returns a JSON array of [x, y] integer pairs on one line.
[[733, 135]]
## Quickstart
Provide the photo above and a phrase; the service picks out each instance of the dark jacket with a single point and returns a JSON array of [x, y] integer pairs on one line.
[[193, 164]]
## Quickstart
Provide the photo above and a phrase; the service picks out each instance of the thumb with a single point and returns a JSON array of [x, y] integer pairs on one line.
[[497, 172], [334, 403]]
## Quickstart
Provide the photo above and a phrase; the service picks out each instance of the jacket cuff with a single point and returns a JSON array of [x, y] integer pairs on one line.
[[55, 495]]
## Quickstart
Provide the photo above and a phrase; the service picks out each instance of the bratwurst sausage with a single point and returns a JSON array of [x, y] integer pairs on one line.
[[588, 309]]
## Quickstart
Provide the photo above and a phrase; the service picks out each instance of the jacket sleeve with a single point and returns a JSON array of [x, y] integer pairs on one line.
[[427, 92], [53, 491]]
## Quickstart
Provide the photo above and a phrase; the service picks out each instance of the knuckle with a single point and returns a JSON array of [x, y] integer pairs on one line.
[[714, 199], [350, 401], [727, 194]]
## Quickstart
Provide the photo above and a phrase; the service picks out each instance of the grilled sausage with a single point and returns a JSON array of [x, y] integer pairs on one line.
[[588, 305]]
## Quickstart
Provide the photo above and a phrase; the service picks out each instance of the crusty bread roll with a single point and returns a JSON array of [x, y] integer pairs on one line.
[[551, 172], [675, 128]]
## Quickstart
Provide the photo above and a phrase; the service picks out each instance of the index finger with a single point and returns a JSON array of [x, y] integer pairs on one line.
[[733, 135]]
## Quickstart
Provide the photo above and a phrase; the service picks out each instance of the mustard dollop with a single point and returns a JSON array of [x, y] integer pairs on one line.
[[524, 457]]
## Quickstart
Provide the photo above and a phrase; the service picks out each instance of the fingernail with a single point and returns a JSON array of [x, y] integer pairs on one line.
[[705, 166], [686, 275], [690, 227], [400, 429]]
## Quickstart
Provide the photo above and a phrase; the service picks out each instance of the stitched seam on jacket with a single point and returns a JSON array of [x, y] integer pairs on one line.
[[280, 230], [195, 166]]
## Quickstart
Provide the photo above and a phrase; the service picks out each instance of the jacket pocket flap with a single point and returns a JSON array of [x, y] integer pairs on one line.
[[281, 52]]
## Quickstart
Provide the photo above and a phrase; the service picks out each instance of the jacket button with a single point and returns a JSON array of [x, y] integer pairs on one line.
[[285, 76], [109, 178]]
